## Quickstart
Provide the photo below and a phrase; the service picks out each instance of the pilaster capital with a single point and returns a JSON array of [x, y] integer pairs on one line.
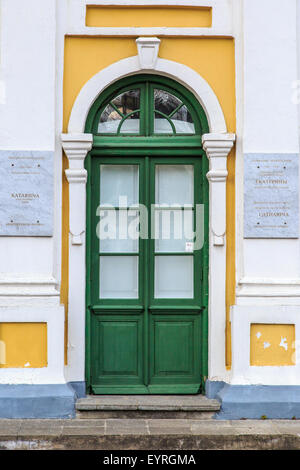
[[218, 145], [217, 148], [76, 147]]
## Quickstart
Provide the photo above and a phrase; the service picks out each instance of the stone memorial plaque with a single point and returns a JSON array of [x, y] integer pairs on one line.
[[271, 194], [26, 193]]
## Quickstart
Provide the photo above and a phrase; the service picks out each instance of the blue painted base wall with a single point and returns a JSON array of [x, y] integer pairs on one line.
[[212, 388], [237, 401], [79, 388], [37, 401], [258, 402]]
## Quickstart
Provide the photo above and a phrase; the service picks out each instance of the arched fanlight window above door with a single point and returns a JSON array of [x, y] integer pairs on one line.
[[148, 106]]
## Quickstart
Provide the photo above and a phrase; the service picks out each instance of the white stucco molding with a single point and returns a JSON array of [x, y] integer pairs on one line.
[[24, 285], [131, 66], [76, 147], [257, 289], [217, 148], [147, 52], [222, 19], [217, 144]]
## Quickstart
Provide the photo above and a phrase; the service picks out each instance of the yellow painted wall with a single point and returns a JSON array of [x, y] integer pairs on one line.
[[212, 58], [272, 345], [23, 345], [147, 16]]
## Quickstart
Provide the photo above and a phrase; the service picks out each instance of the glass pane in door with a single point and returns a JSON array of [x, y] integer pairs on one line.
[[174, 184], [119, 181], [174, 230], [118, 277], [174, 222], [118, 241], [116, 231]]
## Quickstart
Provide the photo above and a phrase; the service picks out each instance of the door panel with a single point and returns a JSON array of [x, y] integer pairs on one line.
[[175, 347], [117, 353]]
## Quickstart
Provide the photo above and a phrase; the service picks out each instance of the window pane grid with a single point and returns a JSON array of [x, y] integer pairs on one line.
[[124, 107], [125, 113], [171, 115]]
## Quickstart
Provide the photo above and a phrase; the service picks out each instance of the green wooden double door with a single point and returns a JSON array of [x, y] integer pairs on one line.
[[147, 319], [146, 268]]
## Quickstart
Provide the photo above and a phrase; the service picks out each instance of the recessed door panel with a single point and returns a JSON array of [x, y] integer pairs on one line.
[[117, 351], [175, 348]]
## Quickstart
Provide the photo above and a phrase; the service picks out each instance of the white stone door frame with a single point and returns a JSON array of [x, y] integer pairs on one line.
[[217, 145]]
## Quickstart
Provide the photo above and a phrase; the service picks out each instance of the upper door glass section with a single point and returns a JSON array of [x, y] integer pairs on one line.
[[147, 109]]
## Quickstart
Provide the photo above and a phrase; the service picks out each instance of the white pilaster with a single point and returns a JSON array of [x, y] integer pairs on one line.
[[217, 147], [76, 147]]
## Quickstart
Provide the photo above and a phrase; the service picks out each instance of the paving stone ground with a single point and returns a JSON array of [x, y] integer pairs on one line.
[[152, 434]]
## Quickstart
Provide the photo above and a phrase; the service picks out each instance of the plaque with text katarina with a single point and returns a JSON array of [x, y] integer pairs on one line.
[[26, 193], [271, 196]]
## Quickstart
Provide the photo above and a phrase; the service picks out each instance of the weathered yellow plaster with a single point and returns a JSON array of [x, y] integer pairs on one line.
[[272, 345], [23, 345], [147, 16], [213, 59]]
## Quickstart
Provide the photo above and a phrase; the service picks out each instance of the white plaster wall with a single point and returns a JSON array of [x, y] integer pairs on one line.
[[270, 117], [28, 70], [270, 41], [27, 111]]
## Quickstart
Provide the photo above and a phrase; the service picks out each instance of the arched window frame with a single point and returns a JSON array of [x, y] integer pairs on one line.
[[147, 83]]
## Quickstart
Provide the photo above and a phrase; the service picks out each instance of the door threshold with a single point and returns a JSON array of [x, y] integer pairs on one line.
[[185, 389]]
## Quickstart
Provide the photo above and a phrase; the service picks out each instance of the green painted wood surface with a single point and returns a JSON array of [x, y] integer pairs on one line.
[[146, 345]]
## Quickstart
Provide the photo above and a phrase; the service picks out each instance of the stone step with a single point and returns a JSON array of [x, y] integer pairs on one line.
[[142, 434], [146, 407]]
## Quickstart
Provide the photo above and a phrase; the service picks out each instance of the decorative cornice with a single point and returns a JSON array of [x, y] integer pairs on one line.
[[20, 285], [217, 176], [268, 287], [76, 176], [147, 52]]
